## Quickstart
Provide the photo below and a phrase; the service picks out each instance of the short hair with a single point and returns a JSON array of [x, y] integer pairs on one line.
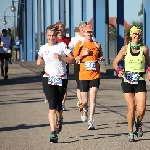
[[4, 30], [82, 23], [52, 28]]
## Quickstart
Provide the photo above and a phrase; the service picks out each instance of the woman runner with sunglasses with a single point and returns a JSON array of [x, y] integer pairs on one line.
[[136, 57]]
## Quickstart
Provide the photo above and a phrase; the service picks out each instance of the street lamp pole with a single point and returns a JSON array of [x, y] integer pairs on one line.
[[13, 9]]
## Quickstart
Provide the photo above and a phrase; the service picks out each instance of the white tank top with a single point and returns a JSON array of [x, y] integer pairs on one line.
[[53, 66]]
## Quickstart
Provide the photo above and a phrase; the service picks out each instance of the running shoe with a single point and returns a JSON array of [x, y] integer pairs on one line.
[[54, 137], [90, 124], [10, 62], [131, 137], [63, 107], [45, 100], [2, 72], [5, 77], [84, 115], [138, 131], [58, 127]]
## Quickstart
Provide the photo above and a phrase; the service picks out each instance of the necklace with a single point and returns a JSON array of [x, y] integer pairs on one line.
[[135, 47]]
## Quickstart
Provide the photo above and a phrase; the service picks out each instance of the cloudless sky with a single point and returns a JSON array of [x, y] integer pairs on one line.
[[131, 10]]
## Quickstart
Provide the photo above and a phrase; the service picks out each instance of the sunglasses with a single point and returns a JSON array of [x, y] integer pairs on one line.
[[89, 31], [137, 34]]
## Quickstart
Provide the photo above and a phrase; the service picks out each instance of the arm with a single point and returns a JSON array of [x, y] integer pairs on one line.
[[101, 57], [68, 55], [146, 53], [71, 44], [69, 59], [40, 57], [120, 55], [1, 44], [78, 55], [39, 60]]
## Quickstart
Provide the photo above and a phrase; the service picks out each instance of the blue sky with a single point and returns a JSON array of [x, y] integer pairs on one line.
[[131, 11]]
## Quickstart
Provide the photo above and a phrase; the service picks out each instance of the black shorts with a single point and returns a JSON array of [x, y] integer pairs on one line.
[[4, 56], [133, 88], [64, 82], [86, 84], [78, 84], [67, 67], [54, 94], [17, 49], [76, 73]]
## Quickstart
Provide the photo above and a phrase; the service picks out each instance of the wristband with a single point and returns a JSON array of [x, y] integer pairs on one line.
[[118, 69], [148, 69]]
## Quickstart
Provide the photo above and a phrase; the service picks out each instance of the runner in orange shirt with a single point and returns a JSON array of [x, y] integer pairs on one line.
[[89, 75]]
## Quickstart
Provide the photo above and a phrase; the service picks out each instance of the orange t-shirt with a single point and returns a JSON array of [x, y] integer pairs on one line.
[[85, 74]]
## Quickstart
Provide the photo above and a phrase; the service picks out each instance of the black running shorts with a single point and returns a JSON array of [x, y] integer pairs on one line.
[[54, 94], [4, 56], [76, 73], [133, 88], [86, 84]]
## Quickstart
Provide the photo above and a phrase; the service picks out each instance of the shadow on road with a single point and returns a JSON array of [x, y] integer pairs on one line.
[[22, 126]]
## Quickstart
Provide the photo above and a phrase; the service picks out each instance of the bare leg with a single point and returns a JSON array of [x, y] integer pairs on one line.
[[129, 97], [2, 68], [84, 97], [93, 92], [64, 100], [18, 55], [79, 95], [59, 115], [141, 105], [52, 119]]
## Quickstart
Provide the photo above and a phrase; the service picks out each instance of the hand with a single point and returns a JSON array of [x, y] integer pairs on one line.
[[86, 52], [57, 56], [102, 59], [2, 44], [39, 61], [120, 74], [148, 76], [77, 59], [70, 47]]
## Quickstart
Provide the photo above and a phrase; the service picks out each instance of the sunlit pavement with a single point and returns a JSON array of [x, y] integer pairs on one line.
[[23, 115]]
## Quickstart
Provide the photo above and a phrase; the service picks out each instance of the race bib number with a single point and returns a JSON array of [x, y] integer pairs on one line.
[[131, 77], [17, 43], [90, 65], [55, 81]]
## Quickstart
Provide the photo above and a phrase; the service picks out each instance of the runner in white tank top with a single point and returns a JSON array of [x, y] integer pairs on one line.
[[54, 56]]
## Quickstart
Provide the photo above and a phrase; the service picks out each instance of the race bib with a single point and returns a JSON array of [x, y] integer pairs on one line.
[[55, 81], [131, 77], [89, 65], [17, 43]]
